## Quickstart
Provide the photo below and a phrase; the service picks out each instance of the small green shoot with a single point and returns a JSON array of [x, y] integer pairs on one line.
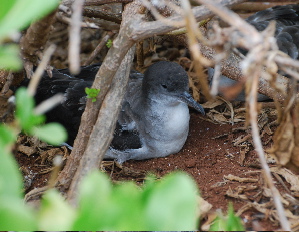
[[229, 223], [92, 93], [109, 43]]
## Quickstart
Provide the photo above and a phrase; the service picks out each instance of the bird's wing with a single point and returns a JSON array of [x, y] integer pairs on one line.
[[288, 41]]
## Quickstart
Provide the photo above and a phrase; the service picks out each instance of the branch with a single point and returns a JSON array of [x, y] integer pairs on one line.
[[75, 38], [157, 28], [104, 126], [106, 37], [103, 81]]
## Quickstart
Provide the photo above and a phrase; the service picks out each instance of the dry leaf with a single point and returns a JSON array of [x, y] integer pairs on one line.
[[284, 140], [237, 195], [27, 150], [212, 103], [240, 179], [207, 224], [290, 177], [204, 207]]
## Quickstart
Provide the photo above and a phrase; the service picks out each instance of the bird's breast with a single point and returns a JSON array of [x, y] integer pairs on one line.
[[178, 120], [170, 123]]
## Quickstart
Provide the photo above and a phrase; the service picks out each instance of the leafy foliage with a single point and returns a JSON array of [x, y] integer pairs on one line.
[[109, 43], [169, 204], [92, 93], [15, 15], [229, 223], [9, 57]]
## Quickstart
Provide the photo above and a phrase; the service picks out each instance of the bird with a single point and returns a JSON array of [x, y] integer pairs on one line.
[[286, 35], [287, 26], [154, 117]]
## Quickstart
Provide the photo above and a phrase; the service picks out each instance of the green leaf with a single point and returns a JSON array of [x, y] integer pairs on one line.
[[24, 111], [19, 15], [96, 208], [9, 57], [109, 43], [24, 104], [6, 5], [16, 216], [229, 223], [171, 205], [163, 205], [129, 198], [92, 93], [233, 222], [11, 183], [55, 213], [7, 136], [52, 133]]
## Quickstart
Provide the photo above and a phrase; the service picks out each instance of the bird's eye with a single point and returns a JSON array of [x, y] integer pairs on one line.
[[164, 86]]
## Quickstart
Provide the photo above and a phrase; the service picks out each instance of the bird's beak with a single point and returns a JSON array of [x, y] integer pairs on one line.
[[188, 99]]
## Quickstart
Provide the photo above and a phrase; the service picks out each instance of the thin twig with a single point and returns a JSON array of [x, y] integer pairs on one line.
[[7, 84], [67, 21], [198, 58], [57, 163], [259, 148], [102, 2], [159, 17], [233, 19], [140, 55], [96, 2], [74, 35], [65, 9], [92, 13], [48, 104], [97, 50], [40, 70]]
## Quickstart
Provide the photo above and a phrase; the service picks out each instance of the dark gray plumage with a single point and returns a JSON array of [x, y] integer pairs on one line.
[[154, 119], [157, 107]]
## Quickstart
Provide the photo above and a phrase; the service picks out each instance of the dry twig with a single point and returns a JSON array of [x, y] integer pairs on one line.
[[40, 70], [74, 34], [97, 50]]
